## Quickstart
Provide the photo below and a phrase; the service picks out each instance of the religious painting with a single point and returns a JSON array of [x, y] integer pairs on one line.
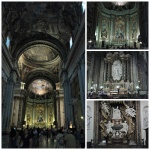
[[104, 28], [119, 28], [134, 28]]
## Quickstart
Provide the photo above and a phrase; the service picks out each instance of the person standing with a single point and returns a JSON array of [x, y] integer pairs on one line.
[[70, 140], [27, 139]]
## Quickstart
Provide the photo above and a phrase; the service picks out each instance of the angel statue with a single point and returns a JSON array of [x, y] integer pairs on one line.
[[130, 111], [105, 107]]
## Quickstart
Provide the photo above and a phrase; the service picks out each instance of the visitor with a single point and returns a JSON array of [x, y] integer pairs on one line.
[[70, 140], [82, 138], [60, 139], [27, 139], [12, 136]]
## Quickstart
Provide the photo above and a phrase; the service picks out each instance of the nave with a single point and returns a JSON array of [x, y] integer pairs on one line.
[[46, 138]]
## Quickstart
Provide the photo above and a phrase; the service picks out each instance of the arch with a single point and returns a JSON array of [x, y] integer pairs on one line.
[[41, 73], [39, 38]]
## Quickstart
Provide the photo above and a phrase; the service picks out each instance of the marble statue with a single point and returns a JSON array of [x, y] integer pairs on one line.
[[108, 126], [104, 107], [116, 113], [130, 111], [117, 70], [125, 127]]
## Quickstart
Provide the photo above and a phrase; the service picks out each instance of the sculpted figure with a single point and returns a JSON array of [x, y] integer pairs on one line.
[[105, 107], [116, 113], [125, 127], [108, 126], [130, 111]]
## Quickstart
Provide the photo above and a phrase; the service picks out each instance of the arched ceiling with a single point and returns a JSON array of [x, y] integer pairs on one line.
[[40, 87], [119, 5], [40, 53], [39, 35], [22, 20]]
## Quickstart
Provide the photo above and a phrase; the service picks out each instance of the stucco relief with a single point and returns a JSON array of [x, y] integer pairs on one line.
[[89, 117], [145, 117], [117, 70]]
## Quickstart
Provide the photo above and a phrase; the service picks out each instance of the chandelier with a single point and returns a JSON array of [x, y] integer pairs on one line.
[[120, 3]]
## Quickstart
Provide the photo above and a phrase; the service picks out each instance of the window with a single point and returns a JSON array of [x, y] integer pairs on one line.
[[71, 42], [8, 42], [83, 7]]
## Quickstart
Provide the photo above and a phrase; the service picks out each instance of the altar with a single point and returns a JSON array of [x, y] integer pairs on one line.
[[117, 129]]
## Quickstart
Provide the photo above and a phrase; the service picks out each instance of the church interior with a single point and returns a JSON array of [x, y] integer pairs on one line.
[[117, 124], [117, 74], [43, 66], [117, 25]]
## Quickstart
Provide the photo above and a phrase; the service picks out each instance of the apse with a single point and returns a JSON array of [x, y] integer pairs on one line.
[[117, 25], [40, 87]]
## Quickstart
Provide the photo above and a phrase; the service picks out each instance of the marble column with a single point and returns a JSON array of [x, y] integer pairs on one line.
[[100, 27], [123, 73], [111, 28], [46, 116], [8, 105], [96, 71], [128, 29], [58, 112], [135, 69], [128, 68], [109, 70], [131, 69], [91, 70], [33, 114], [81, 78], [101, 72], [67, 101], [105, 70], [7, 109]]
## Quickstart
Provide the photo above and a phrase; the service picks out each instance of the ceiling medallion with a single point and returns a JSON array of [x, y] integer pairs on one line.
[[119, 3]]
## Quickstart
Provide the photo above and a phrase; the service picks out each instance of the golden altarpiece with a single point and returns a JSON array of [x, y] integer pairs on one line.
[[40, 114]]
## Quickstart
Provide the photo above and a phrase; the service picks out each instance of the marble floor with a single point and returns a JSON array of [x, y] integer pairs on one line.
[[44, 142]]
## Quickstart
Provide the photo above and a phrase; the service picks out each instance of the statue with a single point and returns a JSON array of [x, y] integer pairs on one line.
[[108, 126], [105, 107], [116, 113], [130, 111], [40, 117], [28, 118], [125, 127]]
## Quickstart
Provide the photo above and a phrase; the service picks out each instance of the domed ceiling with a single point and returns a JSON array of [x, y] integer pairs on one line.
[[40, 53], [120, 5], [40, 87]]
